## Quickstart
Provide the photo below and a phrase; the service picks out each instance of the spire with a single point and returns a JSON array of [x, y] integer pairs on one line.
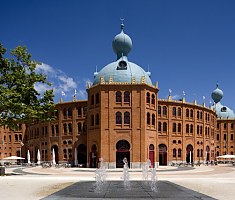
[[148, 72], [122, 24], [96, 72]]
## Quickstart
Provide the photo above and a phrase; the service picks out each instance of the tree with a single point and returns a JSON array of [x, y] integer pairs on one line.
[[19, 101]]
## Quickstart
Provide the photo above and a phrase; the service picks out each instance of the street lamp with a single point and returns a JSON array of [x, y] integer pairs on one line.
[[21, 145]]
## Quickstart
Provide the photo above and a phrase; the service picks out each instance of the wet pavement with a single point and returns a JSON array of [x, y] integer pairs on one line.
[[117, 190]]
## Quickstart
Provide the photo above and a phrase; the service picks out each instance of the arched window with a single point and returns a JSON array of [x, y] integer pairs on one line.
[[174, 111], [20, 137], [92, 99], [159, 110], [179, 112], [201, 153], [191, 128], [97, 119], [187, 128], [174, 127], [179, 153], [179, 127], [126, 118], [153, 119], [148, 118], [187, 112], [97, 98], [200, 115], [147, 97], [118, 96], [84, 127], [174, 153], [79, 111], [179, 141], [159, 127], [198, 129], [65, 128], [57, 128], [164, 111], [70, 128], [79, 127], [164, 127], [52, 130], [65, 112], [92, 120], [16, 137], [126, 96], [118, 118], [70, 112], [197, 114], [174, 141], [153, 99], [191, 113]]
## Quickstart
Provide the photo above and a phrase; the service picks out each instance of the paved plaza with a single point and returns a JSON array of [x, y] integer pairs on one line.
[[204, 182]]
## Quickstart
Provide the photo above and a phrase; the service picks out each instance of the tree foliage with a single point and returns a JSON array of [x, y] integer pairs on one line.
[[19, 101]]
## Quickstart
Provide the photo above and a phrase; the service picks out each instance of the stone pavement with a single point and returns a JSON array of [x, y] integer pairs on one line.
[[116, 190], [33, 183]]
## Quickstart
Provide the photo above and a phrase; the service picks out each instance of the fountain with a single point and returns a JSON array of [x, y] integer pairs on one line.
[[126, 174], [100, 176], [154, 183], [153, 176], [146, 170]]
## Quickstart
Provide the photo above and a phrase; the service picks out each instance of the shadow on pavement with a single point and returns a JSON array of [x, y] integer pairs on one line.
[[116, 189]]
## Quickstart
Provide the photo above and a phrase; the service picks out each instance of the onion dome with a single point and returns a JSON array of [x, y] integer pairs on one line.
[[217, 94], [122, 70], [223, 112], [122, 43]]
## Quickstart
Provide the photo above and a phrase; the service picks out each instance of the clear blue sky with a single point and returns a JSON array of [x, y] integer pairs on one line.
[[188, 44]]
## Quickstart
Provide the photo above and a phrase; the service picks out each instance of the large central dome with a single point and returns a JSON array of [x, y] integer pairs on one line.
[[122, 70]]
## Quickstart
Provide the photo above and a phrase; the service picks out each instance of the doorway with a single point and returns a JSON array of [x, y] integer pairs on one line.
[[122, 151]]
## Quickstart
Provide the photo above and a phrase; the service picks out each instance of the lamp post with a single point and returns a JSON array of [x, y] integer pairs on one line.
[[21, 145]]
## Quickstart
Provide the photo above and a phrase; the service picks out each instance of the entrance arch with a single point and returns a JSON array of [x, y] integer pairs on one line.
[[82, 155], [162, 154], [189, 154], [122, 151], [151, 154], [56, 149], [93, 156]]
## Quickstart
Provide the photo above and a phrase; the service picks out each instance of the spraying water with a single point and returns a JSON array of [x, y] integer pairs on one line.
[[100, 175], [126, 174]]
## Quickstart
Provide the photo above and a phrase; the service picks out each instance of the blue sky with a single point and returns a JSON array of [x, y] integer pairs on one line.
[[188, 45]]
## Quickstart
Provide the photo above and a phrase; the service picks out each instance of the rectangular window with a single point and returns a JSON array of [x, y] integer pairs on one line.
[[231, 136], [225, 125], [225, 136], [217, 137]]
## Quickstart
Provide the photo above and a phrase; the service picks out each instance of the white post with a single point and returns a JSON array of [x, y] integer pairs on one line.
[[190, 157]]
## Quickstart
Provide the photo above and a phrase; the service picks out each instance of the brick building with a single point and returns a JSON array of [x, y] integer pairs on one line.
[[123, 117]]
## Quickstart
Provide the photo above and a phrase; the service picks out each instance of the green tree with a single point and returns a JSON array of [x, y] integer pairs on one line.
[[19, 101]]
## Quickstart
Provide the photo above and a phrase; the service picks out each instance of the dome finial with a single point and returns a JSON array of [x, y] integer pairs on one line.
[[217, 94], [122, 43], [122, 24]]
